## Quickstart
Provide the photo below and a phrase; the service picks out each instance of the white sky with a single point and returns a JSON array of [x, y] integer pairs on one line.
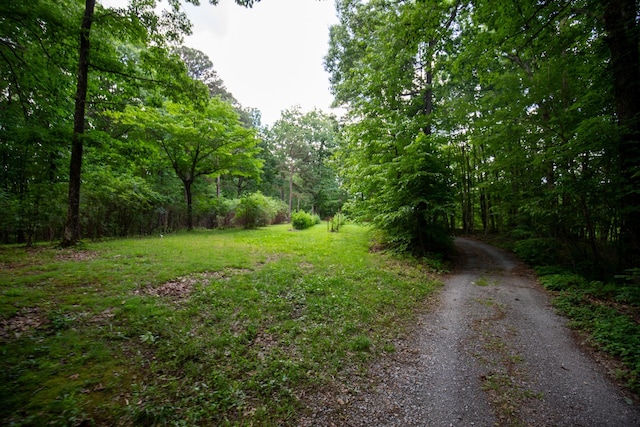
[[270, 57]]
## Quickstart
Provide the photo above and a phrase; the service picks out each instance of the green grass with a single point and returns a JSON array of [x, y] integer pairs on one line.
[[204, 328]]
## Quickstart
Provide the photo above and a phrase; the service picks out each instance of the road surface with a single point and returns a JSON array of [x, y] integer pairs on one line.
[[491, 353]]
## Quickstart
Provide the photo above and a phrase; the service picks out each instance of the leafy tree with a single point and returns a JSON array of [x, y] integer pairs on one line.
[[532, 105], [623, 39], [34, 100], [170, 26], [72, 227], [303, 144], [208, 141], [200, 67], [383, 59], [545, 103]]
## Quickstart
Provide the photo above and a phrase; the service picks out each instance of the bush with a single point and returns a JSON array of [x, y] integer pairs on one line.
[[301, 220], [561, 282], [537, 251], [225, 209], [337, 221], [281, 210], [520, 233], [258, 210]]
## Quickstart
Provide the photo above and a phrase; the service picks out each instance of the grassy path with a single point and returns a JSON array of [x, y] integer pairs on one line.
[[206, 328]]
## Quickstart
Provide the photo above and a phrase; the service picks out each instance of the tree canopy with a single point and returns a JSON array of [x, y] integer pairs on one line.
[[198, 142], [303, 145], [519, 116]]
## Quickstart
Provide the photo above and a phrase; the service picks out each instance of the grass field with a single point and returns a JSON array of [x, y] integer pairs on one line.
[[210, 327]]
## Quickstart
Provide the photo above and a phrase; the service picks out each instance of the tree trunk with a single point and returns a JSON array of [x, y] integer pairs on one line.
[[239, 187], [189, 197], [427, 107], [72, 227], [591, 236], [290, 189], [622, 37]]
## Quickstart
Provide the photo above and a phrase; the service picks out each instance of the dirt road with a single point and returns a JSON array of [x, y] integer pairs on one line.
[[493, 353]]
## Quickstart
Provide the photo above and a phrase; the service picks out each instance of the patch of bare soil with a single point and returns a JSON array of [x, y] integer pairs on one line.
[[76, 255], [22, 323], [104, 317], [180, 289]]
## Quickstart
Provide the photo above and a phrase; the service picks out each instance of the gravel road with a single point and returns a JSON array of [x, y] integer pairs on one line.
[[491, 353]]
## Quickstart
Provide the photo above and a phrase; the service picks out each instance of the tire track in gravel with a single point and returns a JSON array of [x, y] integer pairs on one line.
[[491, 353]]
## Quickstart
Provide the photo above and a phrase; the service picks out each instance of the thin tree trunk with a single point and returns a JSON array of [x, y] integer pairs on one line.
[[290, 189], [591, 235], [72, 227], [189, 197], [239, 187], [622, 36]]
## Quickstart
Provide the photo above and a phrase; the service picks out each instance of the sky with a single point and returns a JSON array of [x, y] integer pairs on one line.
[[270, 57]]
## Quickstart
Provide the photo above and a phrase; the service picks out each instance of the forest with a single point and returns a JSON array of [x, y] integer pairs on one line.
[[140, 284], [519, 118], [153, 142]]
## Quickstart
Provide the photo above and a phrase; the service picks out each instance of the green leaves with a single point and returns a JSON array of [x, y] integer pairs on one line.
[[209, 141], [383, 60], [519, 95], [302, 145]]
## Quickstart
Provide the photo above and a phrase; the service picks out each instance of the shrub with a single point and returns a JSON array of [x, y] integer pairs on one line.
[[560, 282], [520, 233], [301, 220], [337, 221], [225, 209], [256, 210], [280, 210], [537, 251]]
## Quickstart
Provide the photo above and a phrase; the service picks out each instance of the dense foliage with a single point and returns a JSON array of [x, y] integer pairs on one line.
[[381, 63], [159, 144], [493, 115], [302, 146], [301, 220], [518, 117], [256, 210]]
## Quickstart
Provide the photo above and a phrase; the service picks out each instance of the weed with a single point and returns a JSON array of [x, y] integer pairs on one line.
[[336, 222], [502, 381], [482, 281], [361, 343]]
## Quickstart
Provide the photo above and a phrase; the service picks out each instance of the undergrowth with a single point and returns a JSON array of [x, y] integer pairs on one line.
[[608, 312], [301, 220]]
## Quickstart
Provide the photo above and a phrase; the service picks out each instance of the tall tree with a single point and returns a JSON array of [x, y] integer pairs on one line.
[[621, 25], [304, 144], [34, 102], [383, 60], [72, 226], [200, 67], [171, 25]]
